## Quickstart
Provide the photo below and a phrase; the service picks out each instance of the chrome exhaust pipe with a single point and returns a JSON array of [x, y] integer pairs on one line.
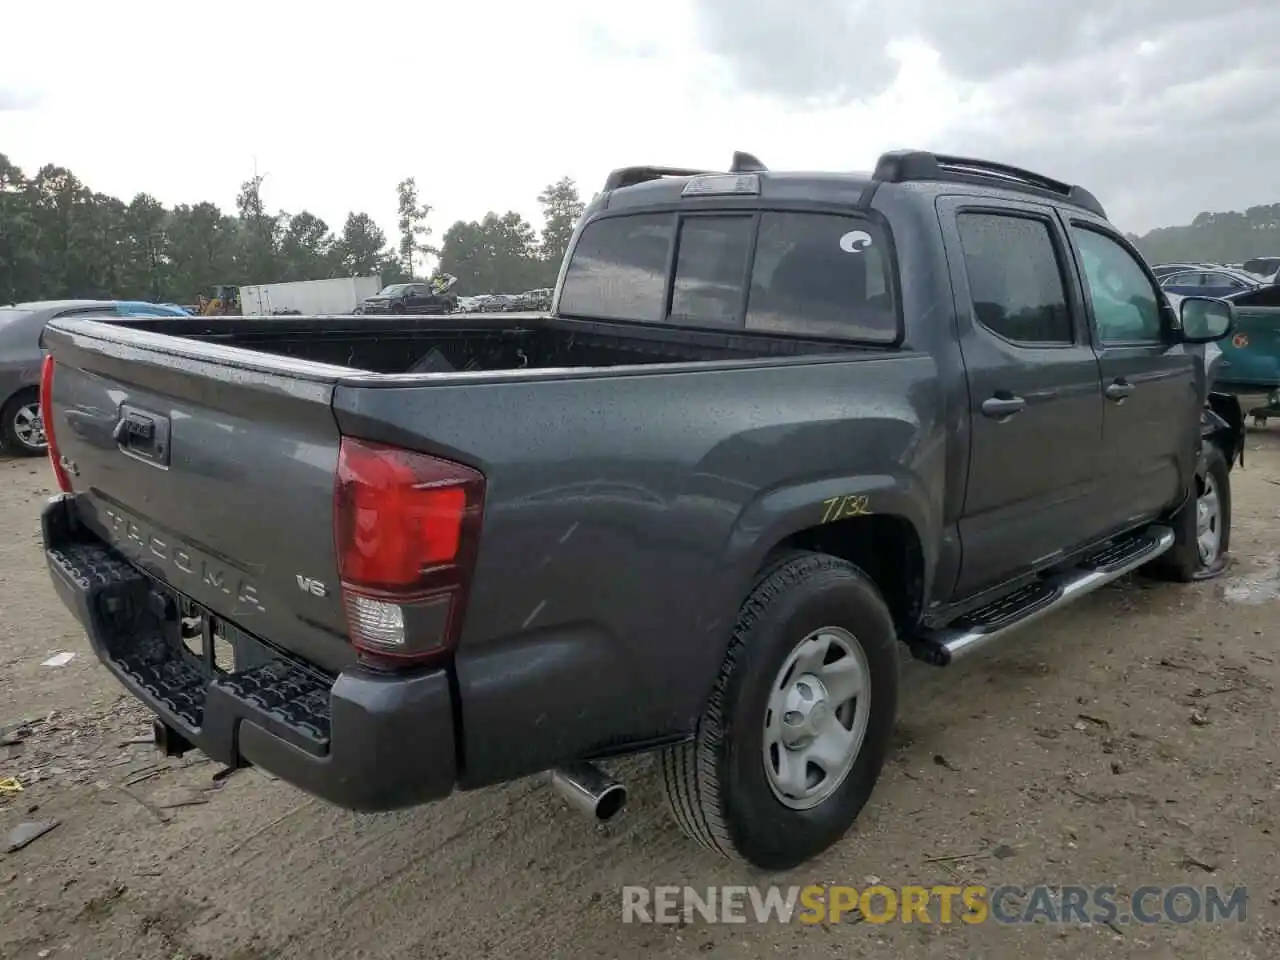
[[589, 790]]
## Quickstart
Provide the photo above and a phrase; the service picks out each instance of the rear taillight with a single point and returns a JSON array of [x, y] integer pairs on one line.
[[406, 528], [46, 418]]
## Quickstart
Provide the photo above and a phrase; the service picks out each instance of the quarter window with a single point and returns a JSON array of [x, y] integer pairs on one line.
[[1015, 280]]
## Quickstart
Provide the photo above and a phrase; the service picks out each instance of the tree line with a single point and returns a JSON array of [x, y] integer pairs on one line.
[[1216, 237], [61, 239]]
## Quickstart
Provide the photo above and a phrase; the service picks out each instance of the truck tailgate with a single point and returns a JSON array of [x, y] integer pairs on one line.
[[211, 468]]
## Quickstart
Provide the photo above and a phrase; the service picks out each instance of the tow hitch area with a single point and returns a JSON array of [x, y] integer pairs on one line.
[[169, 741]]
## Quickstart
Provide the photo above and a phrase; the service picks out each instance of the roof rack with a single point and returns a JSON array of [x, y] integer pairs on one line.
[[630, 176], [903, 166]]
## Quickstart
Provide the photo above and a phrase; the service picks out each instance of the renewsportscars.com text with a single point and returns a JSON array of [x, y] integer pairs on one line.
[[1005, 904]]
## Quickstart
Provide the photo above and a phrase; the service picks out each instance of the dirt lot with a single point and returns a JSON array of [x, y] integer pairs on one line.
[[1133, 740]]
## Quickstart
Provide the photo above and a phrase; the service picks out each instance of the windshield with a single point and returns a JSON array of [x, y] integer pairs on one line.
[[392, 290]]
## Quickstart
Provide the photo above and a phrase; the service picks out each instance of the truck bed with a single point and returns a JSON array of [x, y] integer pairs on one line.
[[621, 504], [474, 342]]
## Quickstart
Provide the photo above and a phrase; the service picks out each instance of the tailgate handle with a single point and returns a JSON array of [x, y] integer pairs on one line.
[[143, 435], [136, 427]]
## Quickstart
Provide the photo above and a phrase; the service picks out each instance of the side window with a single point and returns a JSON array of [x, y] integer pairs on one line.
[[1126, 308], [1223, 280], [822, 275], [619, 269], [1015, 278], [711, 270], [1183, 280]]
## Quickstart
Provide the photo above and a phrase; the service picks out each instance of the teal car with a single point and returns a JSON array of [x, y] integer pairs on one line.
[[142, 308], [1251, 355]]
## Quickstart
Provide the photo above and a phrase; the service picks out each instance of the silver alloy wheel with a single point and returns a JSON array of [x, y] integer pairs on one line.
[[817, 717], [1208, 522], [28, 427]]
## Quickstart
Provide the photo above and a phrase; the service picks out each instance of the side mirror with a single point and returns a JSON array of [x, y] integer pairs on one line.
[[1206, 319]]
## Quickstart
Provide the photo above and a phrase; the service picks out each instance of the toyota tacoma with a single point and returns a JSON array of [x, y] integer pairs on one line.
[[777, 430]]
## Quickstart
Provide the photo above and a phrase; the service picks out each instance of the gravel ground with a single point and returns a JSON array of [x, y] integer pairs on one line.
[[1130, 740]]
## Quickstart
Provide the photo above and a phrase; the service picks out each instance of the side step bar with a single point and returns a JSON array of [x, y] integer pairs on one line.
[[1028, 604]]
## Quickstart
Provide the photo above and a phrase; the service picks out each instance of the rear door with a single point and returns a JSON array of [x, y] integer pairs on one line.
[[1151, 416], [1035, 398], [417, 297]]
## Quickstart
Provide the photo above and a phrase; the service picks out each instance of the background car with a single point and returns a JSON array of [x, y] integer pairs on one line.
[[427, 298], [1162, 270], [21, 427], [1268, 268], [144, 308], [1209, 283]]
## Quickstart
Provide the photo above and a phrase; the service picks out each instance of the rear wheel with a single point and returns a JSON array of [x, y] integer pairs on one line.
[[794, 736], [21, 426]]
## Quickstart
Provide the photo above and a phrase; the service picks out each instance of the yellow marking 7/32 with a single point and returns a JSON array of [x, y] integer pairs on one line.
[[852, 505]]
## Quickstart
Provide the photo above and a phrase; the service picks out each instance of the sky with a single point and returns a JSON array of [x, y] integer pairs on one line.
[[1161, 109]]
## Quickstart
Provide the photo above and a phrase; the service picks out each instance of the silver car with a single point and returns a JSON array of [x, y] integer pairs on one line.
[[21, 429]]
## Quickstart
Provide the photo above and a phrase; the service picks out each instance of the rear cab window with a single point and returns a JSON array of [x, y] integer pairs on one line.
[[804, 274]]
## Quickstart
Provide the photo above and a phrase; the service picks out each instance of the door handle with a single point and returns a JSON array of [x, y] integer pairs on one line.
[[999, 408], [1119, 390]]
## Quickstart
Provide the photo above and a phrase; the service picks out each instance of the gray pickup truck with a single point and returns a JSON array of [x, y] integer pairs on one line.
[[777, 429]]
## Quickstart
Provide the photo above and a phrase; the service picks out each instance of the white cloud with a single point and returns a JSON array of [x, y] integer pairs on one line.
[[486, 102]]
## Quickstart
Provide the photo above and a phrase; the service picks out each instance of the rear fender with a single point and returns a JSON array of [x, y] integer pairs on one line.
[[776, 518]]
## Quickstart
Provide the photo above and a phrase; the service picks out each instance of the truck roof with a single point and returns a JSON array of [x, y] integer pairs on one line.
[[923, 171]]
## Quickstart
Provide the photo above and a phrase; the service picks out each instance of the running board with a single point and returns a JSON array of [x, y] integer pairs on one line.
[[1028, 604]]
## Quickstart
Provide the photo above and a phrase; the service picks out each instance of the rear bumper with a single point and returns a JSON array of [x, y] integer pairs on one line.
[[360, 740]]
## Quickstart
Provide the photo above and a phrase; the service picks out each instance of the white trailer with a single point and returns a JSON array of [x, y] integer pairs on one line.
[[340, 295]]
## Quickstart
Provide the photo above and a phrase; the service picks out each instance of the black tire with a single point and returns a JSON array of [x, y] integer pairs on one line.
[[397, 308], [716, 784], [10, 439], [1184, 562]]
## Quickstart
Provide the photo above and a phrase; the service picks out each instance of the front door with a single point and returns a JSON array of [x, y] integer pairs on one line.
[[1035, 398], [415, 298], [1151, 419]]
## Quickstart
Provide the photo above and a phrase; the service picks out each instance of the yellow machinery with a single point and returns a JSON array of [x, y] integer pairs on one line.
[[224, 302]]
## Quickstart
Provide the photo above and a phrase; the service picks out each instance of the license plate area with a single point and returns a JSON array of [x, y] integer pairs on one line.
[[213, 645]]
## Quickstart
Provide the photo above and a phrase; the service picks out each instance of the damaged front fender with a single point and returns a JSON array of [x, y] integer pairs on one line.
[[1222, 424]]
